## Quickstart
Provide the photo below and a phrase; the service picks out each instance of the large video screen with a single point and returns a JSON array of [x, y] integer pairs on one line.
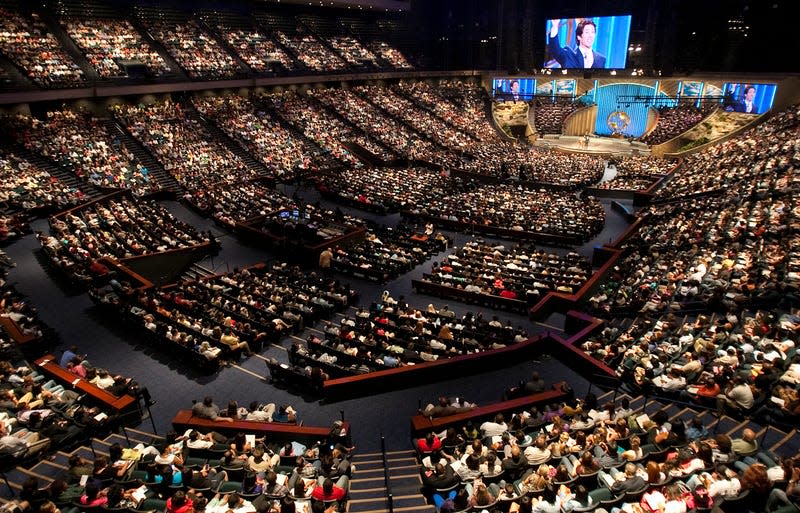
[[513, 88], [600, 42], [749, 98]]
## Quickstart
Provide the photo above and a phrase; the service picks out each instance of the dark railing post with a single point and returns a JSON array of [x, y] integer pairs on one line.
[[389, 495]]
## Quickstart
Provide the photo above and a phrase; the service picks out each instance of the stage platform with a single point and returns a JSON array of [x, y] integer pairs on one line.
[[598, 145]]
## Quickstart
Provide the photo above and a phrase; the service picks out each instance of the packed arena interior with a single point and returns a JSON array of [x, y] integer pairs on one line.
[[398, 255]]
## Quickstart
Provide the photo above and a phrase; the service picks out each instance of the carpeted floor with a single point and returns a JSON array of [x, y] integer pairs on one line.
[[174, 386]]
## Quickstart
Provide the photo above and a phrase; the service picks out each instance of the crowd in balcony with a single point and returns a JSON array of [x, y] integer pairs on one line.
[[391, 55], [353, 51], [32, 47], [256, 49], [311, 52], [673, 121], [195, 50], [80, 142], [108, 44]]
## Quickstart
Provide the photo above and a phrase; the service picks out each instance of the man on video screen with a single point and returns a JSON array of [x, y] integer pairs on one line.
[[582, 56], [746, 104]]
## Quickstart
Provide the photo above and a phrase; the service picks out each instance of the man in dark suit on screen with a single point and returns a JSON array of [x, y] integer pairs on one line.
[[746, 104], [582, 56]]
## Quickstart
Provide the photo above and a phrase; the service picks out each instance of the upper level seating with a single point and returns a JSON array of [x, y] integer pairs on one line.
[[195, 50], [81, 142], [107, 43], [26, 187], [638, 172], [390, 189], [258, 131], [519, 272], [673, 121], [373, 33], [353, 51], [311, 52], [183, 146], [232, 205], [550, 114], [31, 46], [325, 129], [519, 210], [117, 228], [391, 55], [255, 48]]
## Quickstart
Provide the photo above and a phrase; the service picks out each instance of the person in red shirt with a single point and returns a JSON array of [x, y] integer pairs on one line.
[[429, 444], [328, 492]]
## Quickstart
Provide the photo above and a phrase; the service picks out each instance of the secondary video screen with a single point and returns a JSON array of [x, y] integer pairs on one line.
[[513, 89], [748, 98], [599, 42]]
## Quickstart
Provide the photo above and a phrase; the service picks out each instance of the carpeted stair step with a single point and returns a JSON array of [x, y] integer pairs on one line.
[[726, 424], [786, 446], [771, 436], [49, 470]]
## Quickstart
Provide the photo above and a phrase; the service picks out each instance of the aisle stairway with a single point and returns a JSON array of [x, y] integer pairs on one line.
[[780, 441], [56, 465], [368, 493], [165, 180]]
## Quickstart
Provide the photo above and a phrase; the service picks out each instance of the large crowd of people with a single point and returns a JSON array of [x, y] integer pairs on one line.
[[26, 187], [108, 44], [30, 45], [549, 115], [117, 228], [281, 150], [519, 210], [327, 131], [391, 334], [256, 49], [389, 189], [636, 173], [80, 141], [311, 51], [731, 247], [353, 51], [230, 206], [519, 272], [673, 121], [387, 252], [185, 148], [194, 49]]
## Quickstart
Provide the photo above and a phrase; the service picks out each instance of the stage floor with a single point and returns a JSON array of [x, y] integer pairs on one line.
[[598, 145]]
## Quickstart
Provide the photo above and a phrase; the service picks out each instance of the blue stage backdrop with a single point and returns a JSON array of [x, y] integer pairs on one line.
[[615, 117]]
